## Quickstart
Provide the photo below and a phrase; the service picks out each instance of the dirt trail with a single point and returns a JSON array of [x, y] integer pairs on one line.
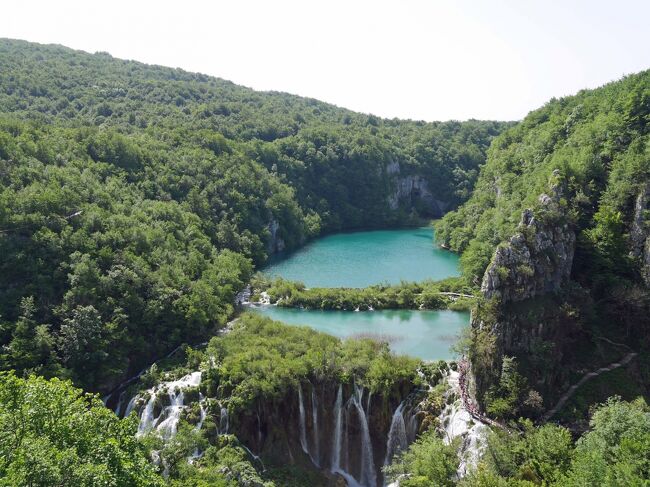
[[588, 376]]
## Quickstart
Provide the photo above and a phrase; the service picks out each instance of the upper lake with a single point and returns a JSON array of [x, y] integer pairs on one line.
[[361, 259]]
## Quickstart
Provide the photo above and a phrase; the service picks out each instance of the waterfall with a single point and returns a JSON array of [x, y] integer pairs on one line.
[[130, 406], [120, 401], [397, 437], [223, 421], [411, 425], [147, 419], [456, 421], [303, 430], [169, 425], [253, 456], [167, 421], [203, 412], [336, 444], [368, 475], [314, 416], [346, 438]]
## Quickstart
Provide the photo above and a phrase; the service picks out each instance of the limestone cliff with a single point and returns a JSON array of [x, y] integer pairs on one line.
[[413, 191], [275, 243], [521, 282], [536, 260], [640, 233]]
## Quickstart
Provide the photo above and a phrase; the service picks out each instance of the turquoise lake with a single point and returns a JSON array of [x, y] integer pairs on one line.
[[424, 334], [361, 259]]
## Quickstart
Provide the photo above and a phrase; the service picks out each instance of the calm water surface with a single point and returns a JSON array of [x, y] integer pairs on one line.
[[361, 259], [423, 334]]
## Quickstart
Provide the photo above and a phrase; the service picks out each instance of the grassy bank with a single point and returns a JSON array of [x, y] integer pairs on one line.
[[451, 293]]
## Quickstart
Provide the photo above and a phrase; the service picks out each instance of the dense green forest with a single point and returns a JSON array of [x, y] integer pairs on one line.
[[135, 200]]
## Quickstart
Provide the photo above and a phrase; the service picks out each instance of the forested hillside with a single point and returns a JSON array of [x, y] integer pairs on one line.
[[563, 199], [136, 200]]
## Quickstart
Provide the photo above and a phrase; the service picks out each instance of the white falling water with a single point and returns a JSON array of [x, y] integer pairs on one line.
[[397, 437], [411, 425], [314, 416], [203, 412], [120, 401], [368, 404], [223, 421], [456, 421], [167, 421], [368, 475], [303, 429], [169, 425], [130, 406], [338, 420], [147, 419]]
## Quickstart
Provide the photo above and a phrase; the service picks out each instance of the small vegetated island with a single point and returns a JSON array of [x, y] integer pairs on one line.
[[141, 207]]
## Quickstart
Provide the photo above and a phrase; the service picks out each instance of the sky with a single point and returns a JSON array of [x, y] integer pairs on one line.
[[425, 60]]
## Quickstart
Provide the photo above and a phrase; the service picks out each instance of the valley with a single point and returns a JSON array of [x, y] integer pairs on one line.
[[245, 278]]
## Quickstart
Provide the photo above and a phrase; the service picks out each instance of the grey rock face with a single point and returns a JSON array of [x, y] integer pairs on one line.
[[409, 189], [640, 233], [536, 260], [276, 243]]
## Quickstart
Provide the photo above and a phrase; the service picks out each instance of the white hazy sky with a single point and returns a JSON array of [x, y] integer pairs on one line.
[[430, 60]]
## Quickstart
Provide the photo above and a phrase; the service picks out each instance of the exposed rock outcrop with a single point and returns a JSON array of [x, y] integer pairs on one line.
[[536, 260], [411, 190], [275, 243], [640, 233]]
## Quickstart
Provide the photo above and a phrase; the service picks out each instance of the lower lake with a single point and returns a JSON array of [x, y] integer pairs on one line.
[[424, 334]]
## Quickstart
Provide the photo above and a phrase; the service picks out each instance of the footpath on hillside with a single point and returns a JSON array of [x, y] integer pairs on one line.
[[588, 376]]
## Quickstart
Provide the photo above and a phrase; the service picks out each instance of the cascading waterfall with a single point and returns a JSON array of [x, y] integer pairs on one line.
[[314, 415], [169, 425], [346, 438], [411, 426], [397, 437], [303, 429], [351, 428], [203, 412], [456, 421], [120, 401], [402, 432], [147, 419], [368, 475], [223, 421], [130, 406], [167, 421], [336, 443]]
